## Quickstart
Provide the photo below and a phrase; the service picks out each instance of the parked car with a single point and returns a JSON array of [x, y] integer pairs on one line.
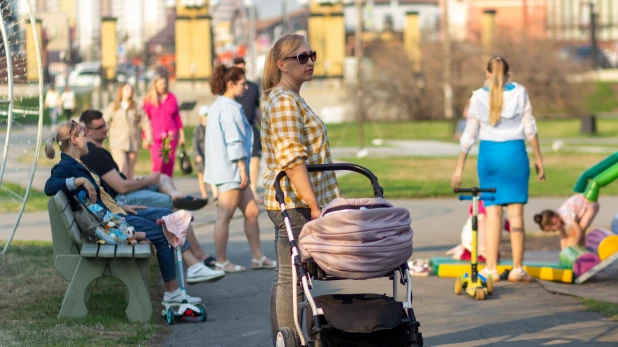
[[87, 75], [582, 54]]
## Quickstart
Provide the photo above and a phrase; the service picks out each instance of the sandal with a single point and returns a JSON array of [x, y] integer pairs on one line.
[[259, 264], [223, 266], [210, 261]]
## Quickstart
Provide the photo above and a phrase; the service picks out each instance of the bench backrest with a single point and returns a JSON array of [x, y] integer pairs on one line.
[[65, 233]]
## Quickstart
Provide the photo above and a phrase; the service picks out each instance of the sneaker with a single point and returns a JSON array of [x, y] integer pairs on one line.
[[201, 273], [519, 275], [495, 276], [175, 298]]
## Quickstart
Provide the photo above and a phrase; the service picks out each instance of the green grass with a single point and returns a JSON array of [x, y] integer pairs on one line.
[[606, 309], [37, 200], [431, 177], [603, 99], [32, 294], [347, 134]]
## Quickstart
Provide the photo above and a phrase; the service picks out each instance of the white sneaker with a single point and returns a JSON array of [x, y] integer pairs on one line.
[[495, 276], [201, 273], [175, 297], [519, 275]]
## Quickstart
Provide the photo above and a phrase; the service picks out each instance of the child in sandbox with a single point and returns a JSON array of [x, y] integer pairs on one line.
[[571, 220]]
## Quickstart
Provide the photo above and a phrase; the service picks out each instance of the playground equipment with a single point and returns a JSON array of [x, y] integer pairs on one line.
[[21, 106], [600, 252], [598, 176], [473, 283]]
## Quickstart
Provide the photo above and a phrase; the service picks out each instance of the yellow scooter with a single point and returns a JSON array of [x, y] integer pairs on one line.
[[476, 285]]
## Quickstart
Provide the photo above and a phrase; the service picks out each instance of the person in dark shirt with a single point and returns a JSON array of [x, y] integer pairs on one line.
[[154, 190], [250, 102]]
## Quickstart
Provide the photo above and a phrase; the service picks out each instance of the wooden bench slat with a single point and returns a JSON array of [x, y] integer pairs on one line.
[[89, 250], [107, 251], [142, 250], [124, 251]]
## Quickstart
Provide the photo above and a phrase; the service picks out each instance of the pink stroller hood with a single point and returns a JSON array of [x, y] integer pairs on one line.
[[358, 238], [176, 227]]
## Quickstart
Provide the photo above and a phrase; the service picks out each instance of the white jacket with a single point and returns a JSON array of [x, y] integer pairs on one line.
[[516, 121]]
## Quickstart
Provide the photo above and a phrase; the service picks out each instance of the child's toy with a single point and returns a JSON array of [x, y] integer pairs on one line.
[[547, 271], [175, 227], [603, 244], [463, 251], [597, 176], [473, 283], [579, 259]]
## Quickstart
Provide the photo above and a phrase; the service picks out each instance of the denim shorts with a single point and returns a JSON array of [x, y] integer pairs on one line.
[[149, 196]]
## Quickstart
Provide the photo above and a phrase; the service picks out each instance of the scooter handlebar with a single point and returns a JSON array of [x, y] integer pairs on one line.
[[474, 190], [470, 197]]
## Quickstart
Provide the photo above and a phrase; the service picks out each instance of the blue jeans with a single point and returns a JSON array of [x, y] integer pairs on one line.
[[149, 196], [146, 221]]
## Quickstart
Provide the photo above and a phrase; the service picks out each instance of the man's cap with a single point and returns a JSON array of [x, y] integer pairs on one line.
[[239, 60], [203, 110]]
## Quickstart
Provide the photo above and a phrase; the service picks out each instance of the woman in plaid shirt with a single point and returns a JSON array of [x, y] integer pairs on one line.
[[293, 136]]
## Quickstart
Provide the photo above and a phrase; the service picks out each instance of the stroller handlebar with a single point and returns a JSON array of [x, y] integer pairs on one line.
[[377, 190]]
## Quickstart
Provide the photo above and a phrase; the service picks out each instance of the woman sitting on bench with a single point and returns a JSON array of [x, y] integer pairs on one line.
[[72, 176]]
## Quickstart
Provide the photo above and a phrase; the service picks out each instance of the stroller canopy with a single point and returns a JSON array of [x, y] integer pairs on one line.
[[358, 238]]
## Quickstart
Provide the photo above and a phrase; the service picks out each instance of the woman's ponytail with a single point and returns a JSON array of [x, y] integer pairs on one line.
[[499, 69], [49, 148]]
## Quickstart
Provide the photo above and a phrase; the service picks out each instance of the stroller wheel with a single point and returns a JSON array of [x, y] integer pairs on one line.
[[458, 286], [203, 314], [169, 315], [286, 338]]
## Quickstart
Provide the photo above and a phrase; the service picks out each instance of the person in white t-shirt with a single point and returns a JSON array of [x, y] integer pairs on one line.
[[52, 104], [68, 102]]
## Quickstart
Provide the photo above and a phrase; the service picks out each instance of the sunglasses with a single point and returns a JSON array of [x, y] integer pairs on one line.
[[100, 127], [303, 58]]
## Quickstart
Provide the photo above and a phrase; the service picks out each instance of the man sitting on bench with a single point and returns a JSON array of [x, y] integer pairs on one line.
[[155, 190]]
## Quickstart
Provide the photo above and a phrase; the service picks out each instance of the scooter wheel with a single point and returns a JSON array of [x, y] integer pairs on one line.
[[204, 315], [480, 294], [170, 316], [458, 286], [490, 285]]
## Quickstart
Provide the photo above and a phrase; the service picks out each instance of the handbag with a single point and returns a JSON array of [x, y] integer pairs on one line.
[[185, 161]]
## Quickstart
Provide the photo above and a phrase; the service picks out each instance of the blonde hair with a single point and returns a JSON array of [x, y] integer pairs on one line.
[[153, 96], [284, 46], [499, 69], [63, 136], [118, 100]]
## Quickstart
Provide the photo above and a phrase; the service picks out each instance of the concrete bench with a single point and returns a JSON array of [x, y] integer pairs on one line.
[[80, 263]]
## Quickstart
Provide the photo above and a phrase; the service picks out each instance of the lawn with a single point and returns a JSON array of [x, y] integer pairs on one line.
[[32, 294], [10, 194], [431, 177], [347, 134], [606, 309]]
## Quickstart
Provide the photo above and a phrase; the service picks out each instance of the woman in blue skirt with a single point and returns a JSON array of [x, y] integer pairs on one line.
[[500, 115]]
